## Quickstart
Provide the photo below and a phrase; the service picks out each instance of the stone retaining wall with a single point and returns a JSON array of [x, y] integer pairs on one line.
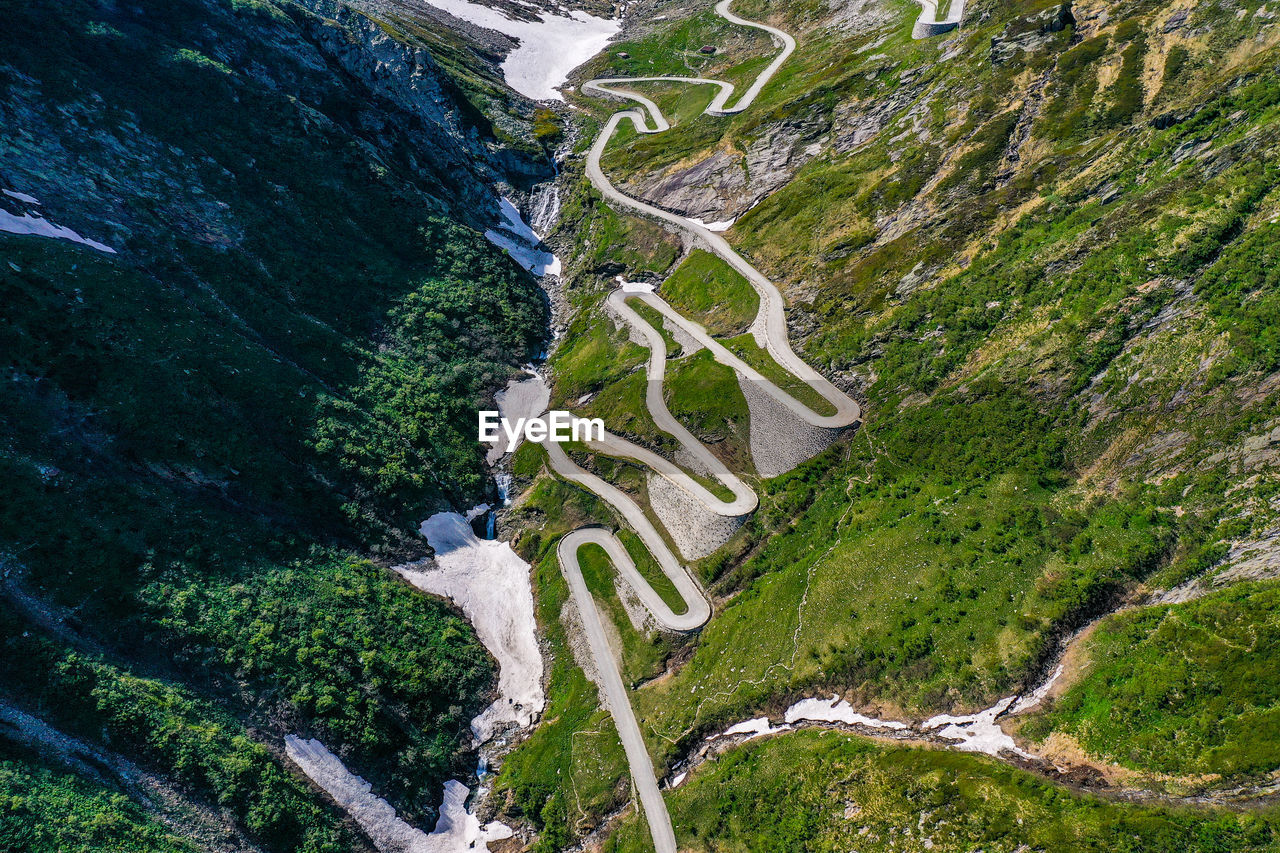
[[696, 530], [780, 440]]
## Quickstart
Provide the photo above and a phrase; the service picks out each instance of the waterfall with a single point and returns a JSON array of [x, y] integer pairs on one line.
[[544, 208]]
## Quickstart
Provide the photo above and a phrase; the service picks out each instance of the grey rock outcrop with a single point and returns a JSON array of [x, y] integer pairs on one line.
[[856, 123], [725, 185], [713, 188], [1030, 32], [454, 145], [1176, 20]]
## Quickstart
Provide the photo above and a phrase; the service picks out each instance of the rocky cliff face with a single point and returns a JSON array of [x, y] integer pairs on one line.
[[461, 132], [133, 168], [726, 184]]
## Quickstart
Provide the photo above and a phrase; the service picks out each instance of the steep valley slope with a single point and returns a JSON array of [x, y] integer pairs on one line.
[[248, 316], [253, 315]]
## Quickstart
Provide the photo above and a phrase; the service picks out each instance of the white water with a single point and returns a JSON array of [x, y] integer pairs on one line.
[[545, 205], [503, 481]]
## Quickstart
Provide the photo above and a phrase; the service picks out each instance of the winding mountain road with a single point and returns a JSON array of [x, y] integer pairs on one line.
[[770, 332]]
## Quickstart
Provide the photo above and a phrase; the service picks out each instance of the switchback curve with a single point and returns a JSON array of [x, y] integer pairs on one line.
[[769, 330]]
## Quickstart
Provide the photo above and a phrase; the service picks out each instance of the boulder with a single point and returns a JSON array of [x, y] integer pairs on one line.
[[1030, 33]]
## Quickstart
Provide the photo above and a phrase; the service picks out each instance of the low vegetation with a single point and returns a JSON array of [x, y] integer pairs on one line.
[[1183, 689], [707, 290], [571, 769], [48, 809], [276, 370], [171, 731], [344, 652], [827, 792], [1046, 274]]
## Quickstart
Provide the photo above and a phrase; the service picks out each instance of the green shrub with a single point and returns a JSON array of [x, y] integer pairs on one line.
[[170, 731], [1185, 689], [349, 651], [1174, 62], [46, 809], [546, 125]]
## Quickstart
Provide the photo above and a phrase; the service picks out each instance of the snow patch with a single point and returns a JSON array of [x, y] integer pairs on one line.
[[835, 710], [515, 222], [374, 814], [753, 728], [521, 242], [722, 225], [522, 398], [40, 227], [1035, 697], [457, 830], [490, 583], [549, 48], [977, 732], [29, 199]]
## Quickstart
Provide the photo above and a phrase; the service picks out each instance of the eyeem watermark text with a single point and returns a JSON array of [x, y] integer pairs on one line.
[[558, 426]]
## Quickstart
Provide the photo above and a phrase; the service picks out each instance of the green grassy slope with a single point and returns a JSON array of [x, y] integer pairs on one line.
[[1046, 270], [828, 791], [1185, 689], [571, 769]]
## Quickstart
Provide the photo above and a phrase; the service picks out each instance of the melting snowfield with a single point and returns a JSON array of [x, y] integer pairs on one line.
[[977, 732], [521, 242], [722, 225], [490, 583], [752, 729], [522, 398], [835, 710], [548, 48], [456, 831]]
